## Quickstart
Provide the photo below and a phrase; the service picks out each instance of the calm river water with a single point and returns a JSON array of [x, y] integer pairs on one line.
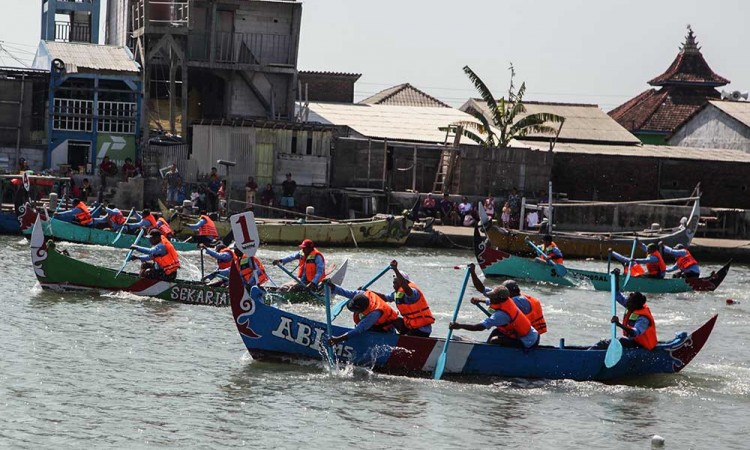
[[127, 372]]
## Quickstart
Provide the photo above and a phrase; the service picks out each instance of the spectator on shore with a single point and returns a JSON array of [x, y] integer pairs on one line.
[[288, 187], [223, 197], [212, 190], [446, 207], [464, 208], [489, 207], [532, 219], [107, 168], [171, 181], [514, 201], [251, 188], [268, 198], [86, 190], [429, 206], [506, 215], [128, 169]]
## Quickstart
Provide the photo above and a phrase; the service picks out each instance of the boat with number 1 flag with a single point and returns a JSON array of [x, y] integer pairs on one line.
[[56, 270], [496, 262], [274, 334]]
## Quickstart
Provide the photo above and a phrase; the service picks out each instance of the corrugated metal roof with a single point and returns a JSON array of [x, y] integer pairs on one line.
[[649, 151], [79, 57], [737, 110], [405, 123], [583, 122]]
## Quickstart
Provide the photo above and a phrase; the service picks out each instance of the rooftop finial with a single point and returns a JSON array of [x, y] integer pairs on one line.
[[690, 45]]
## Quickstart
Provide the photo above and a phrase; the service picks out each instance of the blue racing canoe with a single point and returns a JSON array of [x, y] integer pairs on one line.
[[271, 333]]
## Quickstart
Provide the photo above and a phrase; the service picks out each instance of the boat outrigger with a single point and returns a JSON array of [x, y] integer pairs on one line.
[[274, 334]]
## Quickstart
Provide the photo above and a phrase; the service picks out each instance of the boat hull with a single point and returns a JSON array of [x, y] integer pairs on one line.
[[386, 231], [66, 231], [271, 333], [56, 271], [495, 262]]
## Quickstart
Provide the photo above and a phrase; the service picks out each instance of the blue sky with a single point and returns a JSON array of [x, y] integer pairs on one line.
[[579, 51]]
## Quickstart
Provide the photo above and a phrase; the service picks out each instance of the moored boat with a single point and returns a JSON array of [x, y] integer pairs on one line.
[[495, 262], [274, 334], [381, 229], [55, 270], [596, 245]]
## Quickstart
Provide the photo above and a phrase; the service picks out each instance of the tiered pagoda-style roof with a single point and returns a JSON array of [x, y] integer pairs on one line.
[[687, 85]]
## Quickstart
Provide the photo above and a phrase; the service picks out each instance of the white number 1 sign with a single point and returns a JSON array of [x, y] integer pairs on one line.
[[245, 232]]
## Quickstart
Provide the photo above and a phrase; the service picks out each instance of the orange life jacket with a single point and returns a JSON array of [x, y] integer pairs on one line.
[[635, 269], [307, 267], [417, 314], [225, 265], [647, 339], [536, 316], [164, 227], [170, 262], [247, 268], [519, 324], [150, 219], [117, 218], [683, 262], [659, 267], [548, 251], [387, 315], [208, 228], [83, 217]]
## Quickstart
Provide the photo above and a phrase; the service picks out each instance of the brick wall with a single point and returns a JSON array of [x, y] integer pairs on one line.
[[328, 88]]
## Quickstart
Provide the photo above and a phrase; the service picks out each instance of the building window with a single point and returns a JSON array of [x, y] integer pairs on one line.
[[73, 115], [309, 149], [117, 117]]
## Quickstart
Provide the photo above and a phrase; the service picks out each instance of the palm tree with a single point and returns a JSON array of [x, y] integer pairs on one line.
[[503, 113]]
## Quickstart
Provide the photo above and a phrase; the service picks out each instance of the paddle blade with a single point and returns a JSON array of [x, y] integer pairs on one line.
[[338, 276], [614, 353], [440, 366], [560, 270], [337, 308]]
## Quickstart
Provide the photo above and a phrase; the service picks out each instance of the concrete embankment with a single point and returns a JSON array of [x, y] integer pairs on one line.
[[704, 249]]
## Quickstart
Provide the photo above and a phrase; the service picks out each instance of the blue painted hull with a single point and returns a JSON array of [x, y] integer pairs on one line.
[[9, 223], [271, 333]]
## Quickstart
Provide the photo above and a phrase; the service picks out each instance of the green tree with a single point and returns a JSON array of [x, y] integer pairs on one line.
[[503, 113]]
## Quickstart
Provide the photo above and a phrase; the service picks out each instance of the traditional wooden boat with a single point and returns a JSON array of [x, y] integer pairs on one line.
[[596, 245], [66, 231], [381, 229], [13, 190], [55, 270], [273, 334], [495, 262]]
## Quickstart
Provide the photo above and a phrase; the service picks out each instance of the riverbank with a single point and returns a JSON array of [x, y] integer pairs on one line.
[[704, 249]]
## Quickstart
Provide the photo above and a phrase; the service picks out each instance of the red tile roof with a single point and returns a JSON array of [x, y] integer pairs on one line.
[[689, 67]]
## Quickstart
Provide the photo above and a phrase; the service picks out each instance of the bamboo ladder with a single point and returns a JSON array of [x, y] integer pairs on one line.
[[448, 171]]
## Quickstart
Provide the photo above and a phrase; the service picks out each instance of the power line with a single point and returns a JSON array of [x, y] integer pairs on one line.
[[3, 49]]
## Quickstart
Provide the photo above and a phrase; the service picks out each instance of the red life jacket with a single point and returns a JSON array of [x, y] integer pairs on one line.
[[170, 262], [683, 262], [635, 269], [536, 316], [548, 251], [307, 268], [417, 314], [151, 221], [222, 264], [208, 228], [647, 339], [387, 315], [117, 218], [83, 217], [519, 324], [248, 267], [657, 268], [164, 227]]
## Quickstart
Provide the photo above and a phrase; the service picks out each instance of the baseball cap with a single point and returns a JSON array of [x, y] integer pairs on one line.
[[306, 243]]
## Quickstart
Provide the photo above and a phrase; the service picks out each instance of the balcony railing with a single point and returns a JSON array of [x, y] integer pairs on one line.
[[240, 48], [72, 32], [175, 13]]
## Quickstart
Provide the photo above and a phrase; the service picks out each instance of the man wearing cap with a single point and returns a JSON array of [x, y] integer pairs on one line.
[[288, 187], [224, 257], [530, 306], [160, 261], [416, 318], [550, 250], [312, 266], [370, 312], [685, 262], [654, 262], [512, 327]]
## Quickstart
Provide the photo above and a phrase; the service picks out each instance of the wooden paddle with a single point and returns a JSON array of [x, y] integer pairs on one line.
[[559, 268], [340, 305], [614, 351], [202, 272], [630, 264], [130, 253], [329, 347], [124, 225], [484, 310], [440, 366]]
